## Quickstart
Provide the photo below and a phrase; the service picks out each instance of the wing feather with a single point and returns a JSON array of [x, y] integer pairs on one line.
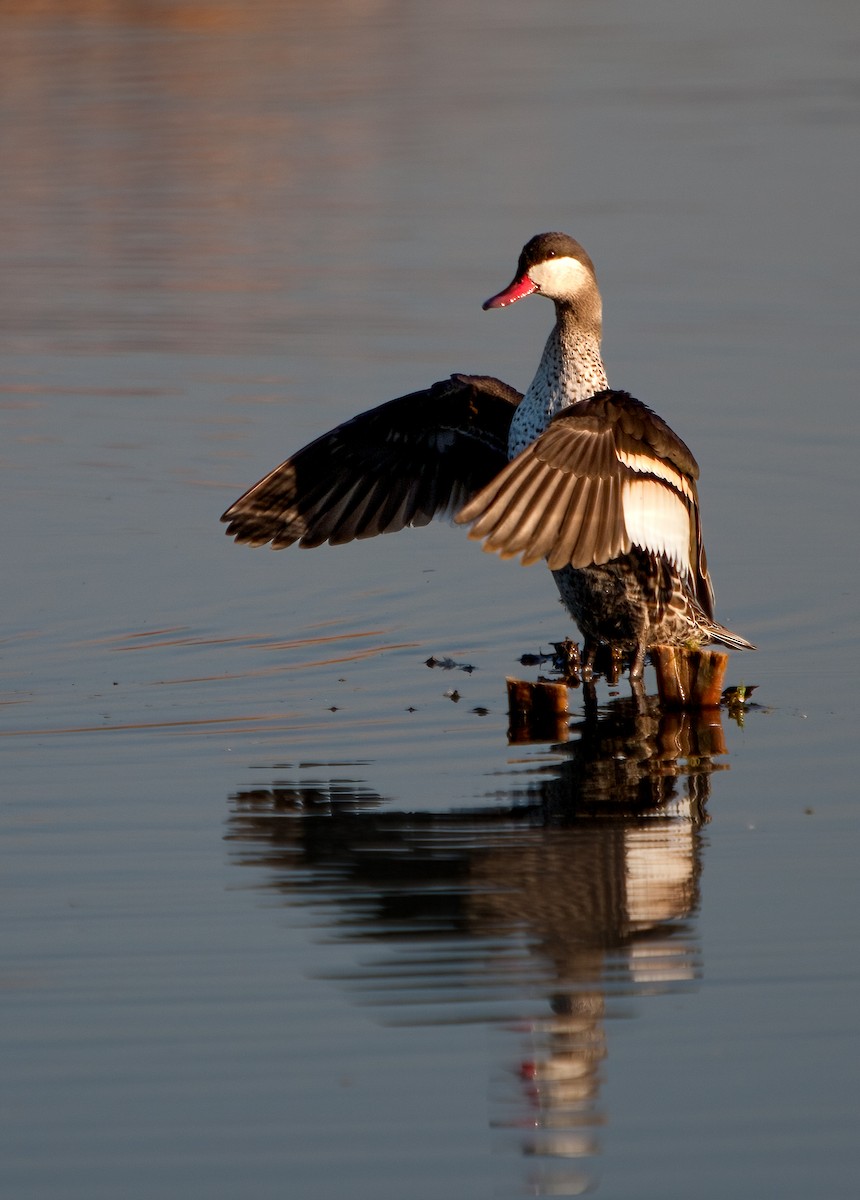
[[400, 464], [606, 475]]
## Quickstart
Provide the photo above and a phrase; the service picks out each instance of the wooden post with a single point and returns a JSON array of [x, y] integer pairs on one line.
[[689, 678], [537, 712]]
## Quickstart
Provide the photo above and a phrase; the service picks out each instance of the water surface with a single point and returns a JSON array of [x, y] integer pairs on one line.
[[286, 912]]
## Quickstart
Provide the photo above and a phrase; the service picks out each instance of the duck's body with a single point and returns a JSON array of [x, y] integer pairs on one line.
[[589, 479]]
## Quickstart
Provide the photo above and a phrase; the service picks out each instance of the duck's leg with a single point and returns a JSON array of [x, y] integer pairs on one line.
[[637, 667], [589, 653], [640, 700]]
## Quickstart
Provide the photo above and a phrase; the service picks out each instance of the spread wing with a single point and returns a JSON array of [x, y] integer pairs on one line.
[[606, 475], [403, 463]]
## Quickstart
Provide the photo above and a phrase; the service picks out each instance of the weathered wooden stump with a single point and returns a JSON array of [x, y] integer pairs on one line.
[[689, 678], [537, 712]]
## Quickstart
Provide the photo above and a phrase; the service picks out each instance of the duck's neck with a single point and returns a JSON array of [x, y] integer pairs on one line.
[[571, 369]]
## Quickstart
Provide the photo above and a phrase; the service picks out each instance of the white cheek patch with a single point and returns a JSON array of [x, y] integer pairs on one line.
[[657, 520], [646, 464], [560, 276]]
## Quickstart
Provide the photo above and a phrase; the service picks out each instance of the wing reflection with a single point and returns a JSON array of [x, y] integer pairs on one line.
[[543, 916]]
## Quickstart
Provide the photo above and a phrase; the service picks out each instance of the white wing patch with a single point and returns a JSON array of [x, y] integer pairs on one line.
[[657, 519], [647, 464]]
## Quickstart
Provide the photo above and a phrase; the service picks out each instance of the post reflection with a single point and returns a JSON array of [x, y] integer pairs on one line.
[[541, 916]]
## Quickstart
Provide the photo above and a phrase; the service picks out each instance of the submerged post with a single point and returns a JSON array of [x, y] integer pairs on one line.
[[537, 712], [689, 678]]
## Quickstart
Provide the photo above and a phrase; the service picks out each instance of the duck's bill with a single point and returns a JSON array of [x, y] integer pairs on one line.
[[518, 290]]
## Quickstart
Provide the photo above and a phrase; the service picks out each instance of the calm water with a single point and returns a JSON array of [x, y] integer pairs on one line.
[[285, 914]]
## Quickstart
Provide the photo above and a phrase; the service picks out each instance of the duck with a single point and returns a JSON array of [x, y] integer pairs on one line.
[[586, 478]]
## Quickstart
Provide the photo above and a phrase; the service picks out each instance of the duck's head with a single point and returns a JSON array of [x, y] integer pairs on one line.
[[556, 266]]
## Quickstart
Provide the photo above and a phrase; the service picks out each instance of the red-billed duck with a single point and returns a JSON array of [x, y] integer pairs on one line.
[[587, 478]]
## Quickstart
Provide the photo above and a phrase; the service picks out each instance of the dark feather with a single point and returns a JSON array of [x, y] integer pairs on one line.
[[403, 463]]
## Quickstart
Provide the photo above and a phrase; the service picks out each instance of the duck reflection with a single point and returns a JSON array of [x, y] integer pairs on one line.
[[542, 915]]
